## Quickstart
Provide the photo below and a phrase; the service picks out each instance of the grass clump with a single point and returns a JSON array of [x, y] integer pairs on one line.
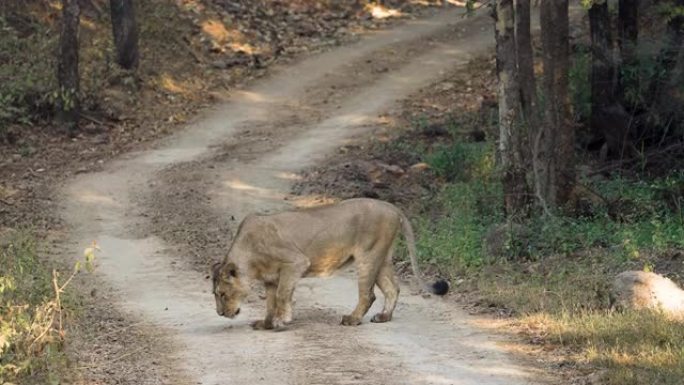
[[629, 348], [33, 314]]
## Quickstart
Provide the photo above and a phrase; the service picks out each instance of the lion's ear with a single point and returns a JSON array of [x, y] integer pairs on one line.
[[229, 271]]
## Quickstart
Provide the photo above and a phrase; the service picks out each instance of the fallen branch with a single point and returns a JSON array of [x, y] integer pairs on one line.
[[95, 120], [115, 359], [624, 162]]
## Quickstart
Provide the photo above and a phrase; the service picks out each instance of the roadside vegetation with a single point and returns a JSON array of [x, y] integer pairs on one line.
[[549, 260], [552, 273], [35, 310]]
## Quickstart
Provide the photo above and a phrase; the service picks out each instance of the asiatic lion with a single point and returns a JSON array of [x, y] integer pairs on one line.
[[279, 249]]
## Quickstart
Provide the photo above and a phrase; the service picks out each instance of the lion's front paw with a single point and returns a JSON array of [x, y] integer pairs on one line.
[[279, 325], [262, 325], [381, 317], [287, 316], [350, 321]]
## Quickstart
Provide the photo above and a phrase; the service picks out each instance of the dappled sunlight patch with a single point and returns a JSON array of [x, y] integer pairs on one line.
[[192, 5], [384, 120], [239, 185], [289, 176], [252, 96], [90, 196], [218, 32], [354, 119], [85, 23], [378, 11], [186, 88], [171, 85], [307, 201], [222, 38], [464, 3], [245, 48], [56, 5]]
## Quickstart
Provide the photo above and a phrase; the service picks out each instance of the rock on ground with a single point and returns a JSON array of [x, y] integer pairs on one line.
[[644, 290]]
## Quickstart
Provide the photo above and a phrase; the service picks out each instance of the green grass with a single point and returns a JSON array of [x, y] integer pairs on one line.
[[636, 220]]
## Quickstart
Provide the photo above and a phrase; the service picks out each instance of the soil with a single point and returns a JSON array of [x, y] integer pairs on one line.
[[161, 215]]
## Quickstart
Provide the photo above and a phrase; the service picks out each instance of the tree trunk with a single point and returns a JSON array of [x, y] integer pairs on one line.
[[125, 33], [667, 58], [606, 124], [602, 68], [628, 36], [511, 131], [525, 57], [555, 144], [67, 67]]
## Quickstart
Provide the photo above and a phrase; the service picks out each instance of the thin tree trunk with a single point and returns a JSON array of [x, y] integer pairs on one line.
[[602, 68], [606, 122], [528, 90], [628, 36], [125, 31], [511, 131], [67, 66], [556, 142]]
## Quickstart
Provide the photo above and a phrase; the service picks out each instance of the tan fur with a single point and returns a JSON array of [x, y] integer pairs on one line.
[[281, 248]]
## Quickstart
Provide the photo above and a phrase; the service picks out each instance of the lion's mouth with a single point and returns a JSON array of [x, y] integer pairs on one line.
[[232, 314]]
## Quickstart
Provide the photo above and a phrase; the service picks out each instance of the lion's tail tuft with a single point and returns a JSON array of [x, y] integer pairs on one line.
[[440, 287]]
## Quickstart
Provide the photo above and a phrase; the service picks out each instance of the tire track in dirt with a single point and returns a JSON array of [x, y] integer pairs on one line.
[[430, 341]]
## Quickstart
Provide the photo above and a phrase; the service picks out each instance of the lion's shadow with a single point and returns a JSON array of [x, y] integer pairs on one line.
[[303, 318]]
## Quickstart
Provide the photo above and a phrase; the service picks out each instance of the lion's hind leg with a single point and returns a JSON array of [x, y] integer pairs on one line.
[[368, 271], [389, 285], [366, 299]]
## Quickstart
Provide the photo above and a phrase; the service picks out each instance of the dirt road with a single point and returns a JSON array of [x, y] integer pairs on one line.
[[242, 157]]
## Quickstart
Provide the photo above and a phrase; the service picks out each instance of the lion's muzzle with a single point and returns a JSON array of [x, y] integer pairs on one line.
[[229, 314]]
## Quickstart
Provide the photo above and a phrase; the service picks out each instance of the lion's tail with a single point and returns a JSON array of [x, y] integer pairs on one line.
[[439, 287]]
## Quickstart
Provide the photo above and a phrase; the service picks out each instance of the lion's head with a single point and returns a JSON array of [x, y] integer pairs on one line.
[[228, 289]]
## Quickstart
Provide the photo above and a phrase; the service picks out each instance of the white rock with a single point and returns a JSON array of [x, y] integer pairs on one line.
[[643, 290]]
